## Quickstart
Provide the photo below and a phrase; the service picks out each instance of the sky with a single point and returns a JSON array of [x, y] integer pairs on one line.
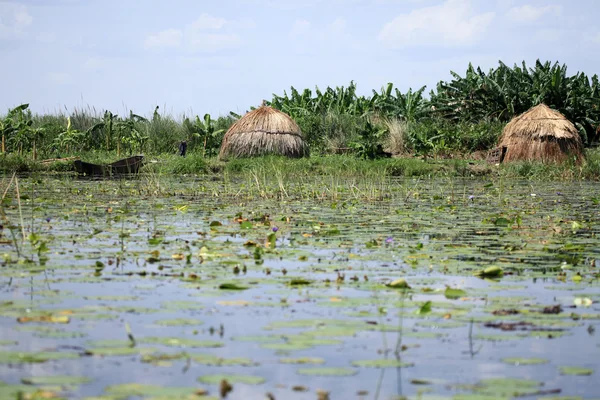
[[192, 57]]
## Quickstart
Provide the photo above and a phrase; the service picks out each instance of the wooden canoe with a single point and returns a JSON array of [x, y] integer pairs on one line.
[[126, 166]]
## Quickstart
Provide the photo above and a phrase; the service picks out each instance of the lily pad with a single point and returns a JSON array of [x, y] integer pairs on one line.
[[180, 342], [179, 322], [152, 391], [245, 379], [454, 294], [576, 371], [382, 363], [57, 380], [490, 272], [398, 284], [302, 360], [327, 371], [525, 361], [15, 357]]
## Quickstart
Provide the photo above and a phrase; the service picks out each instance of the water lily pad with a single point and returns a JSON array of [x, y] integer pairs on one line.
[[576, 371], [152, 391], [120, 351], [302, 360], [182, 305], [525, 361], [382, 363], [15, 357], [398, 284], [209, 359], [218, 378], [57, 380], [454, 294], [232, 286], [179, 322], [490, 272], [327, 371], [180, 342]]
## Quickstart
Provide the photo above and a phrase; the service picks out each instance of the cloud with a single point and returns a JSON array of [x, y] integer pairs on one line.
[[529, 13], [205, 34], [166, 38], [450, 24], [14, 19], [208, 22], [309, 38]]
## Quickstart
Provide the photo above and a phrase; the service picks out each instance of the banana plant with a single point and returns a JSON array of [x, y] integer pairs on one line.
[[205, 131], [70, 139], [15, 127]]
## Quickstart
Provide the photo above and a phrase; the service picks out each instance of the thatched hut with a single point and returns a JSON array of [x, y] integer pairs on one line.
[[263, 131], [541, 134]]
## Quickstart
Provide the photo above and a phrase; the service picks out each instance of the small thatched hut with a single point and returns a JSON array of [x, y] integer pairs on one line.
[[262, 131], [541, 134]]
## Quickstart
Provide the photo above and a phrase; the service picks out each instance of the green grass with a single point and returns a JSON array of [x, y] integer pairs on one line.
[[273, 168]]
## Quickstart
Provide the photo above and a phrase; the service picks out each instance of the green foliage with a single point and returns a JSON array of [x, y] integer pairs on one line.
[[463, 115], [505, 92], [203, 133]]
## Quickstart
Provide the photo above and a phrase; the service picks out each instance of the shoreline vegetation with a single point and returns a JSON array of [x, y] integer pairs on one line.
[[447, 133]]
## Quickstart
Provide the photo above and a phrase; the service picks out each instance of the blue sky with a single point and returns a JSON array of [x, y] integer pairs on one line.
[[196, 57]]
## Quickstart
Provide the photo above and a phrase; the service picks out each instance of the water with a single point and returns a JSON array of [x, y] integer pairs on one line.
[[121, 260]]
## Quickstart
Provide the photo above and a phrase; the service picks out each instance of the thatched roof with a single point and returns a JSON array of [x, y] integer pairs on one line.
[[541, 134], [262, 131]]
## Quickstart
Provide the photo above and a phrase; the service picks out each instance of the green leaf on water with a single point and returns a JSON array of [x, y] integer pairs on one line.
[[180, 342], [215, 224], [399, 284], [490, 272], [576, 371], [424, 309], [16, 357], [232, 379], [506, 387], [57, 380], [302, 360], [120, 351], [290, 346], [179, 322], [454, 294], [299, 282], [501, 221], [525, 361], [327, 371], [246, 225], [127, 390], [232, 286], [209, 359], [382, 363]]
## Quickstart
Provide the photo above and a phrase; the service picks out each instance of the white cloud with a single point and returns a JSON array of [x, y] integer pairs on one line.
[[529, 13], [14, 19], [205, 34], [166, 38], [208, 22], [452, 23], [309, 38]]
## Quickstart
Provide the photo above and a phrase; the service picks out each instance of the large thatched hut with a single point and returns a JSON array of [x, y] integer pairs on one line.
[[262, 131], [541, 134]]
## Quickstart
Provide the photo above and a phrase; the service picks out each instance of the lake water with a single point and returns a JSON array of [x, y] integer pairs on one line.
[[175, 285]]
